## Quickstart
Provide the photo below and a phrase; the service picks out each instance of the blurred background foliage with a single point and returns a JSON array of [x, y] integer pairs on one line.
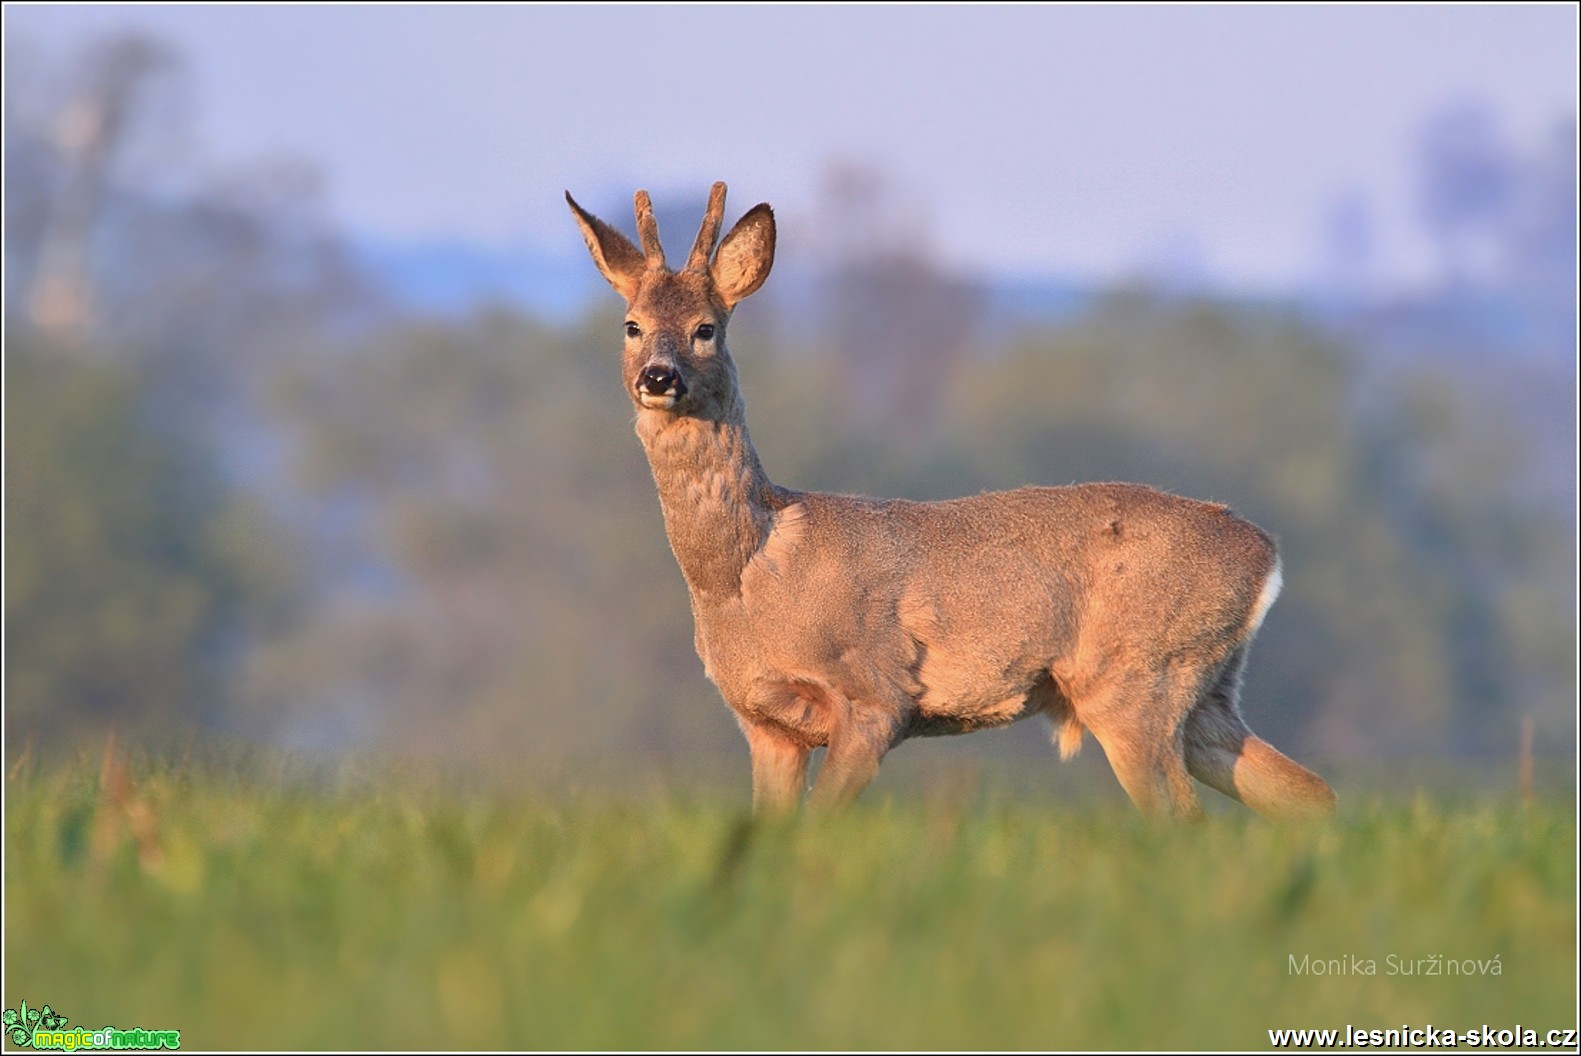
[[249, 491]]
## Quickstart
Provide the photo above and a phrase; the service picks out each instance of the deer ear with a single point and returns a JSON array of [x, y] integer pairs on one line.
[[745, 256], [620, 261]]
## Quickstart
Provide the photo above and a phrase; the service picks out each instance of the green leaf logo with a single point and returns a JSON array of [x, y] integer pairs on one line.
[[23, 1022], [17, 1026]]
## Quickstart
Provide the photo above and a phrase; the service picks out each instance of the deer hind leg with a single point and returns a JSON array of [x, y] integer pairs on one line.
[[1222, 752], [1141, 729]]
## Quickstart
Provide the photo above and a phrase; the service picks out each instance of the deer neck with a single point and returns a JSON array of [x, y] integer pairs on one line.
[[717, 501]]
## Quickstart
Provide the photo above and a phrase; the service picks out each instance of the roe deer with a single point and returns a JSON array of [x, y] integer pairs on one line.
[[854, 623]]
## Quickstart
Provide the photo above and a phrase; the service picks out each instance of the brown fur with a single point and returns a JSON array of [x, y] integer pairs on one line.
[[854, 623]]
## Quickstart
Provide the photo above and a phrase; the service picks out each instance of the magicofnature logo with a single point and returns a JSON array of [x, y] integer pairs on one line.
[[44, 1028]]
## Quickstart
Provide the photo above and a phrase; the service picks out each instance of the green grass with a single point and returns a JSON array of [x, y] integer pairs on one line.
[[382, 912]]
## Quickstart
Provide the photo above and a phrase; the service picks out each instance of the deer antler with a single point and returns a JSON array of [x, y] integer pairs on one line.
[[708, 235], [648, 230]]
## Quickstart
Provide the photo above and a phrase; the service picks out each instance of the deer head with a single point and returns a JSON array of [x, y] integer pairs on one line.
[[675, 361]]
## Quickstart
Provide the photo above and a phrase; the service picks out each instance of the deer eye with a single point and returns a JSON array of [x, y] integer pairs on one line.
[[633, 330], [705, 332]]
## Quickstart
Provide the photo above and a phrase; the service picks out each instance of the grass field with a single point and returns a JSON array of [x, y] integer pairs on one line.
[[247, 907]]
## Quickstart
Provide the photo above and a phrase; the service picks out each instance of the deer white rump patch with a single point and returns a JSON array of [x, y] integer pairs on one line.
[[1265, 600]]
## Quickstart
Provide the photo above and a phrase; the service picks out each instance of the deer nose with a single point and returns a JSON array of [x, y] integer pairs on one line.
[[660, 380]]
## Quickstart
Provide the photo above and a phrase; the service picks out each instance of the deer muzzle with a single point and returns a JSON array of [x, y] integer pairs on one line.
[[660, 386]]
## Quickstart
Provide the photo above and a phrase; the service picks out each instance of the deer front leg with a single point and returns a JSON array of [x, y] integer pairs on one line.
[[779, 769], [856, 746]]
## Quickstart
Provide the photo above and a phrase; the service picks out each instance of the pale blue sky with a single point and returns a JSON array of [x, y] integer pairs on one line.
[[1078, 141]]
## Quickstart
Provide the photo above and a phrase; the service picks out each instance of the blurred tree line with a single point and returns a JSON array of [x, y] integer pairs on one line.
[[244, 493]]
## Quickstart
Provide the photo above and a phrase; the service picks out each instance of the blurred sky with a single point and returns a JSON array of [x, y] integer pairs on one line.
[[1079, 142]]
